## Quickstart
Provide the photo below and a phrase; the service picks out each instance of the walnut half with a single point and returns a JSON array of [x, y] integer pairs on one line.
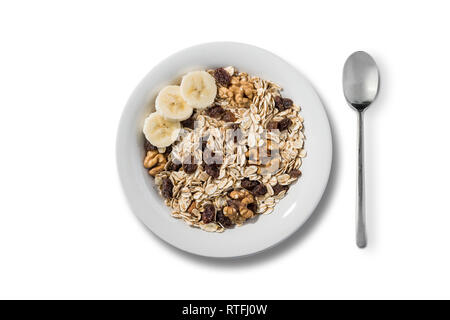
[[154, 161]]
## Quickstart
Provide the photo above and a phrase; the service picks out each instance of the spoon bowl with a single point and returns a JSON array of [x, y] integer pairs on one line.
[[360, 80]]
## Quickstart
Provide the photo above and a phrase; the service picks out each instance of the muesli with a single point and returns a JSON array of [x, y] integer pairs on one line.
[[223, 147]]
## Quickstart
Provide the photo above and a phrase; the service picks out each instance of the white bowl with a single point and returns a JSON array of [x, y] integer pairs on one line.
[[265, 231]]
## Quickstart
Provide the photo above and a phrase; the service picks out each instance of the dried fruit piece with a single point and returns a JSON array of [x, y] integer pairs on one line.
[[272, 125], [210, 157], [215, 112], [259, 190], [236, 132], [148, 146], [174, 165], [189, 123], [248, 184], [222, 77], [219, 113], [294, 173], [209, 214], [223, 220], [204, 142], [166, 188], [168, 150], [189, 166], [287, 103], [282, 103], [213, 170], [252, 206], [278, 188], [228, 116], [284, 124], [278, 102]]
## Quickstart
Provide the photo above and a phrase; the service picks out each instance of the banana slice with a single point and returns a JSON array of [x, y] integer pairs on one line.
[[171, 105], [159, 131], [199, 89]]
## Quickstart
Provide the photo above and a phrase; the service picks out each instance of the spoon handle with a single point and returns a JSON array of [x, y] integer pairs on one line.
[[361, 239]]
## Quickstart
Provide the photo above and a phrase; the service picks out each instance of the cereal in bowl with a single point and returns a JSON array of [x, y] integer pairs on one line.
[[223, 147]]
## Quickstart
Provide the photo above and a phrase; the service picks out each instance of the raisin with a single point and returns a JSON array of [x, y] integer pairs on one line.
[[278, 188], [278, 102], [248, 184], [272, 125], [259, 190], [210, 157], [213, 170], [283, 103], [223, 220], [284, 124], [189, 123], [235, 126], [215, 112], [222, 77], [168, 150], [148, 146], [287, 103], [294, 173], [174, 166], [237, 132], [166, 188], [189, 166], [209, 214], [204, 142], [228, 116], [252, 206]]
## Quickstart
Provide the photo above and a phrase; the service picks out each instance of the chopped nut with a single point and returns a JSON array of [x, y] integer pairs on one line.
[[246, 213], [241, 199], [235, 194], [229, 212], [155, 162], [192, 206], [240, 93]]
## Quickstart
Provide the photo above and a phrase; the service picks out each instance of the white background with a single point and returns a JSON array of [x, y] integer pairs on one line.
[[66, 71]]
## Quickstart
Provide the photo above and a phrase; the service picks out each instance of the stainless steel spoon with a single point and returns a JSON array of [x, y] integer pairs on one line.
[[361, 81]]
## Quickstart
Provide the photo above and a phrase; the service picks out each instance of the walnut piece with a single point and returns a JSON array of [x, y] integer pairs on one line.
[[154, 161], [242, 198], [240, 93]]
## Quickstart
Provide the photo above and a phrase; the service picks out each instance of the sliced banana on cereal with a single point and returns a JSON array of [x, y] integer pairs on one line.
[[160, 131], [171, 105], [199, 89]]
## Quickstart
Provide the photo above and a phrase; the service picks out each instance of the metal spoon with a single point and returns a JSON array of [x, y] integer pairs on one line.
[[361, 82]]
